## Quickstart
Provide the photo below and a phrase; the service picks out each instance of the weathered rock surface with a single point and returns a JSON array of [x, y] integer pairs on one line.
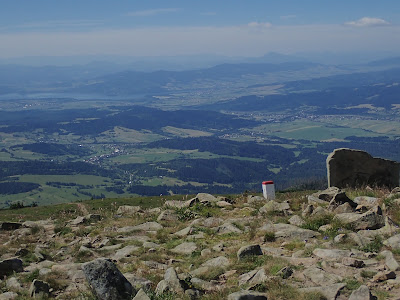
[[141, 295], [9, 266], [353, 168], [250, 250], [128, 210], [362, 293], [107, 281], [368, 220], [287, 231], [330, 292], [247, 295], [186, 248]]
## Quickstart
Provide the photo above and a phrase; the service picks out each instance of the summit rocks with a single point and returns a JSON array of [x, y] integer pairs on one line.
[[243, 247]]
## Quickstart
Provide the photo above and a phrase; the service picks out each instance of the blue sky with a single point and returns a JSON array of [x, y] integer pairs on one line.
[[232, 28]]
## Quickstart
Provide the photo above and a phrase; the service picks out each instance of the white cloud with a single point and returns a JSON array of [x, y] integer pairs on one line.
[[368, 22], [152, 12], [259, 25]]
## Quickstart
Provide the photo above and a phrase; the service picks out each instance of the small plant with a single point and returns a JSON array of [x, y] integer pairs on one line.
[[294, 245], [374, 246], [316, 222], [185, 214], [367, 274], [35, 229], [269, 236], [352, 284], [62, 230], [31, 276]]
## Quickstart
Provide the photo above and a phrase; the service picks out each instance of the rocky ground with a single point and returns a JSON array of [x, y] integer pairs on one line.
[[328, 245]]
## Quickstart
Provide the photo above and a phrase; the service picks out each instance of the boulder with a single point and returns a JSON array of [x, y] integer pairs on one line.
[[296, 221], [168, 216], [331, 254], [128, 210], [354, 168], [8, 296], [249, 250], [185, 248], [390, 261], [321, 277], [125, 252], [148, 226], [9, 266], [173, 282], [247, 295], [330, 292], [290, 232], [227, 228], [393, 242], [353, 262], [383, 276], [39, 289], [141, 295], [362, 293], [107, 281], [253, 278], [206, 198], [368, 220], [272, 206], [10, 226]]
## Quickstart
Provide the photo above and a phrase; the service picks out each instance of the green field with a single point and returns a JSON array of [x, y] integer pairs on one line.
[[312, 131]]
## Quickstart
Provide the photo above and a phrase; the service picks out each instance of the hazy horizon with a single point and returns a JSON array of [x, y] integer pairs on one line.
[[154, 29]]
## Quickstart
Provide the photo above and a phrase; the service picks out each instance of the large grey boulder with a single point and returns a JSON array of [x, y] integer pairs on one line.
[[128, 210], [362, 293], [107, 281], [253, 278], [331, 254], [247, 295], [390, 260], [168, 216], [330, 292], [290, 232], [8, 296], [393, 242], [321, 277], [185, 248], [9, 266], [353, 168], [249, 250], [170, 283], [371, 219]]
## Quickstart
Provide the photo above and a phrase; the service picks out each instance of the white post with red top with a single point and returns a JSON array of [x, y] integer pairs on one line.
[[268, 190]]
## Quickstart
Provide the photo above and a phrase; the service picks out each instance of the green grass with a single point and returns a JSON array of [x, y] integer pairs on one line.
[[70, 210], [312, 131]]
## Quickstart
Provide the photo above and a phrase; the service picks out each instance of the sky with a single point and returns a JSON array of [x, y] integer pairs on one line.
[[189, 27]]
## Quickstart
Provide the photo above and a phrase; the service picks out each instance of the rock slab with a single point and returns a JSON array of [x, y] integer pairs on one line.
[[107, 281], [354, 168]]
